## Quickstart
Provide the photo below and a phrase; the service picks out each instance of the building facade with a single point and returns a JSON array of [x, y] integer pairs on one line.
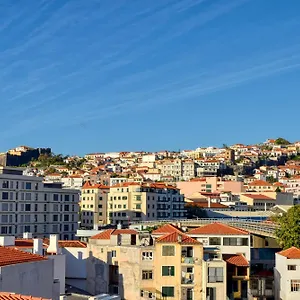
[[30, 205], [132, 201]]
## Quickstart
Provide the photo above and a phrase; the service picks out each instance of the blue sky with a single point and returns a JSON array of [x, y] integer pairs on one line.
[[101, 75]]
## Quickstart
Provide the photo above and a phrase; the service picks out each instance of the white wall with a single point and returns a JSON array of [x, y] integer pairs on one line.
[[283, 277], [34, 278], [59, 270]]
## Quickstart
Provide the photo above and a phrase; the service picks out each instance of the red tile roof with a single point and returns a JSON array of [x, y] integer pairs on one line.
[[124, 231], [204, 204], [104, 235], [238, 260], [177, 237], [12, 296], [88, 185], [291, 253], [260, 183], [218, 229], [166, 229], [258, 197], [12, 256]]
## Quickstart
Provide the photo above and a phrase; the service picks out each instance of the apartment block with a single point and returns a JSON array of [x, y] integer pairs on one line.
[[93, 205], [30, 205], [132, 201], [136, 267], [287, 274]]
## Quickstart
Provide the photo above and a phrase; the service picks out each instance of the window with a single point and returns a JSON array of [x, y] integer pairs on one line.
[[100, 198], [292, 267], [147, 275], [4, 218], [168, 251], [55, 197], [4, 206], [138, 215], [295, 285], [66, 227], [215, 241], [138, 206], [55, 207], [66, 207], [4, 195], [138, 197], [28, 196], [27, 207], [67, 197], [113, 253], [167, 291], [66, 218], [147, 255], [100, 206], [215, 274], [230, 241], [168, 271], [28, 186]]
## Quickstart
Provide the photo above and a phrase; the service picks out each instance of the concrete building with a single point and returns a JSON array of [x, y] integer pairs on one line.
[[26, 273], [287, 274], [132, 201], [30, 205], [234, 244], [173, 267], [93, 205], [72, 182]]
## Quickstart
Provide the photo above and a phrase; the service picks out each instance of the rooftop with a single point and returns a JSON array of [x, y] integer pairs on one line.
[[12, 296], [12, 256], [177, 237], [166, 229], [291, 253], [238, 260], [218, 229], [105, 235]]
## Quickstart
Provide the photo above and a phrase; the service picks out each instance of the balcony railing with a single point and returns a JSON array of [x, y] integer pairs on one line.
[[187, 260]]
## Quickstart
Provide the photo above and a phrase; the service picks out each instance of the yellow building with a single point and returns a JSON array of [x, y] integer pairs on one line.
[[137, 267], [135, 201], [93, 205]]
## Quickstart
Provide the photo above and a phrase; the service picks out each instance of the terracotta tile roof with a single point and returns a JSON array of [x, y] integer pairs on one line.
[[291, 253], [12, 296], [11, 256], [177, 237], [218, 229], [88, 185], [72, 244], [260, 183], [104, 235], [258, 197], [238, 260], [166, 229], [204, 204], [124, 231]]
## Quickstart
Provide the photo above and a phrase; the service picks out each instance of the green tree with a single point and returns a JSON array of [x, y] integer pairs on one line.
[[282, 141], [288, 231], [271, 179]]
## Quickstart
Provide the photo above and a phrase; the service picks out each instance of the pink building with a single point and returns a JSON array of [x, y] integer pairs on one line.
[[210, 185]]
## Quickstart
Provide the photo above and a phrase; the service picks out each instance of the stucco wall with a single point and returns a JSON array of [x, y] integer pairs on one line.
[[34, 278]]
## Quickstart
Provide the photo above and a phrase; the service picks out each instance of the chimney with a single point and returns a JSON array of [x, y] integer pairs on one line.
[[27, 235], [7, 240], [53, 244], [38, 246], [179, 238]]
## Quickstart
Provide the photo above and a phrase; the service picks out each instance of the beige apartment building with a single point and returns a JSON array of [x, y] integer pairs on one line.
[[137, 267], [93, 205], [134, 201]]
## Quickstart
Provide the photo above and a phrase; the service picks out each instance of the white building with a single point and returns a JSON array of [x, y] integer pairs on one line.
[[30, 205], [26, 273], [287, 274], [72, 182], [229, 240]]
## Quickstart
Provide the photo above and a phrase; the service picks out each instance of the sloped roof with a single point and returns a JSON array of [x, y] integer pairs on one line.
[[177, 237], [238, 260], [12, 296], [218, 229], [291, 253], [260, 183], [12, 256], [258, 197], [166, 229], [104, 235]]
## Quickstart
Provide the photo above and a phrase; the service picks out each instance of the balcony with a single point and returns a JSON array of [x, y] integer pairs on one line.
[[187, 278], [187, 260]]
